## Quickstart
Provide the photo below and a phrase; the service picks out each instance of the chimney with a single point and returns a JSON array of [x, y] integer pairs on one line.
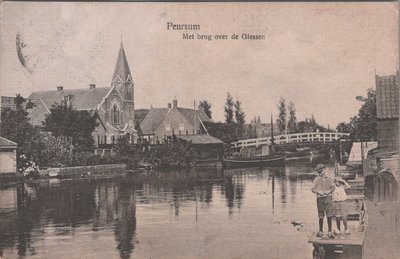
[[175, 103], [92, 86], [60, 88], [169, 105]]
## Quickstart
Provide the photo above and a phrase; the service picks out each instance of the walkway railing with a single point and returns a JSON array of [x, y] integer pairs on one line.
[[320, 137]]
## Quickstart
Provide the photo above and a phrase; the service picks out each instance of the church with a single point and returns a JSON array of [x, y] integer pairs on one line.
[[113, 106]]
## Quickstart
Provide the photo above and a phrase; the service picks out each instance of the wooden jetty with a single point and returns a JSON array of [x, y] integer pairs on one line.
[[348, 246]]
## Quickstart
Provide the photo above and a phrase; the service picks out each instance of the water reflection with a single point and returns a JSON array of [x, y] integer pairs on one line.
[[67, 207], [208, 214]]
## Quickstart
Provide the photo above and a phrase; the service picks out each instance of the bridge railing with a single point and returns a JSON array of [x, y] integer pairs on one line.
[[321, 137]]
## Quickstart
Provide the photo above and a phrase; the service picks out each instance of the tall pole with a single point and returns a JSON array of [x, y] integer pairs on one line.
[[272, 135]]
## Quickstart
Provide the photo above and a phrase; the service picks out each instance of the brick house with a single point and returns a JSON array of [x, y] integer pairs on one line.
[[387, 107], [157, 125], [113, 106]]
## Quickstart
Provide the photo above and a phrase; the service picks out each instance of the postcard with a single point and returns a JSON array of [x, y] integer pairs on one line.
[[199, 130]]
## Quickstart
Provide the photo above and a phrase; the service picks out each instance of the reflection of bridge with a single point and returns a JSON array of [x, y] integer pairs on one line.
[[308, 137]]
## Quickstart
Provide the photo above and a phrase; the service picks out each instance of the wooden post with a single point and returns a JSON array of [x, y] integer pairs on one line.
[[340, 152]]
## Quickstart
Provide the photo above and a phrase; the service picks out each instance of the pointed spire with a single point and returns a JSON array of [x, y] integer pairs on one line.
[[122, 67]]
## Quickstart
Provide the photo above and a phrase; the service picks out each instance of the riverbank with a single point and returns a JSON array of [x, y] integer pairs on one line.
[[109, 170]]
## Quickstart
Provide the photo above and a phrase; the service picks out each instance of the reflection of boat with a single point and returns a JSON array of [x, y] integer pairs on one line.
[[269, 160]]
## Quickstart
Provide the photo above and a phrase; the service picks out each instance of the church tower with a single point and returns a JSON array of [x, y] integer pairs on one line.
[[123, 82]]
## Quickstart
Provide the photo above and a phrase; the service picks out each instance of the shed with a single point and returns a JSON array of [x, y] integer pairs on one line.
[[206, 147], [8, 156]]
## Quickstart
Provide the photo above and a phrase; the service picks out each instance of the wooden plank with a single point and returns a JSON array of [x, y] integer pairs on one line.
[[355, 238]]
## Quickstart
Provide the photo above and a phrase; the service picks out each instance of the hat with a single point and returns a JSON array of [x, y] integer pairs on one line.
[[319, 167]]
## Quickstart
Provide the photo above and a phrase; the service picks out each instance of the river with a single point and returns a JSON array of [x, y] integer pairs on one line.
[[243, 213]]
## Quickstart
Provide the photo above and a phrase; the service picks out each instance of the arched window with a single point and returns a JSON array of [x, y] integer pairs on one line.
[[115, 114]]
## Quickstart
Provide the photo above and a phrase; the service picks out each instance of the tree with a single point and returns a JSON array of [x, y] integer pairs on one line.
[[240, 118], [223, 131], [345, 127], [33, 145], [65, 121], [292, 124], [239, 113], [309, 125], [206, 107], [281, 121], [229, 104], [362, 127], [15, 124]]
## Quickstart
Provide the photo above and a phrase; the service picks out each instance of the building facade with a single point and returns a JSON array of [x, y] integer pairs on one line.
[[158, 125], [387, 107], [113, 106]]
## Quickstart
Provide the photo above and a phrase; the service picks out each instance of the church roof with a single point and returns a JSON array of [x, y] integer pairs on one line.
[[81, 99], [122, 67]]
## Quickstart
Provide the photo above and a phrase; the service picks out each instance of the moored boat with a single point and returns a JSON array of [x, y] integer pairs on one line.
[[269, 160]]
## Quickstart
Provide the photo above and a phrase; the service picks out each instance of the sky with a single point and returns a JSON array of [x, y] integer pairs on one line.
[[320, 56]]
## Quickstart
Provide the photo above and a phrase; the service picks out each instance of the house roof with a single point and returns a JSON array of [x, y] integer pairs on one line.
[[387, 96], [122, 68], [5, 143], [200, 139], [37, 113], [152, 120], [81, 99], [140, 114], [188, 113]]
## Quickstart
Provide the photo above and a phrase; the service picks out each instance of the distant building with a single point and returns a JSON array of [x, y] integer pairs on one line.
[[158, 125], [8, 156], [113, 105], [387, 107]]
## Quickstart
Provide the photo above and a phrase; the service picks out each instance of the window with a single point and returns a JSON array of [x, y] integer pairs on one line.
[[167, 127], [181, 127], [115, 114]]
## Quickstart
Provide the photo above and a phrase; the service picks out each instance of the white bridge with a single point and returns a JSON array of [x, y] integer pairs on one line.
[[308, 137]]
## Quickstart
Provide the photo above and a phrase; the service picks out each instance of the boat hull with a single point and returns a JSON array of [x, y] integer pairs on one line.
[[272, 160]]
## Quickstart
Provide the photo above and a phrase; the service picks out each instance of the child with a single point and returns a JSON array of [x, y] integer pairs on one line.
[[323, 187], [339, 198]]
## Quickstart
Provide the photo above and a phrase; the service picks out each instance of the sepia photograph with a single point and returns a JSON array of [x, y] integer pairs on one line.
[[199, 130]]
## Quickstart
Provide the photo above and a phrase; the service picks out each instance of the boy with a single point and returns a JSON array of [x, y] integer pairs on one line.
[[339, 198], [323, 186]]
